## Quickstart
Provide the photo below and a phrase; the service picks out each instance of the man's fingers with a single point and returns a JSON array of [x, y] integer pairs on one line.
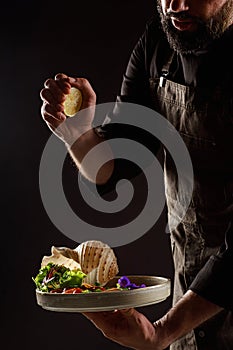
[[57, 90], [50, 113], [101, 317], [89, 96], [48, 97], [61, 76], [109, 315], [127, 312], [91, 315], [62, 81]]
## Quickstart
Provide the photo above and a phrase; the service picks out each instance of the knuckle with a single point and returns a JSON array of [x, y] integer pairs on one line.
[[45, 116], [61, 76], [83, 81], [48, 82], [45, 109], [43, 93]]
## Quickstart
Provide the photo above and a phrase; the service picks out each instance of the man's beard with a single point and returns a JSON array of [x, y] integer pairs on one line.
[[187, 42]]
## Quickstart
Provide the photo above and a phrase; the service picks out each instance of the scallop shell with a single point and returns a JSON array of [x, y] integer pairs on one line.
[[97, 260]]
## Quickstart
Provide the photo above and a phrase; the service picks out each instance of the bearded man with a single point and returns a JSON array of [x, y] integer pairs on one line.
[[182, 68]]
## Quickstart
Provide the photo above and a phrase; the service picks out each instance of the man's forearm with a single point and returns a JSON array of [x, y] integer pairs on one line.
[[189, 312], [99, 167]]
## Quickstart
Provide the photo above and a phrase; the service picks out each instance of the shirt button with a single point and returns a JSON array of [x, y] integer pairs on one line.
[[201, 334]]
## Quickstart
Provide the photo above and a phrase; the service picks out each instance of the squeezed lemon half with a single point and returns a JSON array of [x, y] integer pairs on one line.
[[72, 102]]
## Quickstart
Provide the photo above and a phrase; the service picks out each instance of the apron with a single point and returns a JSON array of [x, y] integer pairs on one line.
[[204, 119]]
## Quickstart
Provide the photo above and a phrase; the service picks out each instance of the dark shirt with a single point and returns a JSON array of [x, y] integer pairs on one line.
[[213, 282]]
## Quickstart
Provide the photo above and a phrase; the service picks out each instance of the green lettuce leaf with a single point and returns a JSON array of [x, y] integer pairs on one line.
[[54, 276]]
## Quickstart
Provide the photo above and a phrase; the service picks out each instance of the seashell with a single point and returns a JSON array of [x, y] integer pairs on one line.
[[67, 252], [60, 257], [96, 259]]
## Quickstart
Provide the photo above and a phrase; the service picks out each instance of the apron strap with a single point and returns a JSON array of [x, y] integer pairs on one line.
[[166, 68]]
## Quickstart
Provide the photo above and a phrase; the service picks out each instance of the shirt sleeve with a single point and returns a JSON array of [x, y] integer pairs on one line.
[[213, 282]]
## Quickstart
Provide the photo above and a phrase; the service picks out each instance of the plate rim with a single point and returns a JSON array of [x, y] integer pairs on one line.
[[164, 287]]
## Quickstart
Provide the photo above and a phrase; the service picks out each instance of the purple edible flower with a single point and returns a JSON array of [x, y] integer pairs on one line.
[[135, 286], [124, 282]]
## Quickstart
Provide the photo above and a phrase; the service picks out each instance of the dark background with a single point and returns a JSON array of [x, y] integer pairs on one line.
[[92, 39]]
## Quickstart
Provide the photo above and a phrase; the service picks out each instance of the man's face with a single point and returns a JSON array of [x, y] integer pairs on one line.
[[193, 24]]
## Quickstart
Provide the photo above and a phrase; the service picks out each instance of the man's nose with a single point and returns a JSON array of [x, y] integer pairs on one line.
[[177, 5]]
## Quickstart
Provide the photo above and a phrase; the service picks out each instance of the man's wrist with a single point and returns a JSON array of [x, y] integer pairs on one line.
[[163, 337]]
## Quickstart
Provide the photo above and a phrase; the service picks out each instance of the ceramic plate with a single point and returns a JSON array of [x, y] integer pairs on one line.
[[157, 290]]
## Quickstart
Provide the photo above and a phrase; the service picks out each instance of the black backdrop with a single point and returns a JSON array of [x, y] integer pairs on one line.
[[39, 39]]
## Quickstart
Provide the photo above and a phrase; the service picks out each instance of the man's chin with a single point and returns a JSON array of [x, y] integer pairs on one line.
[[184, 45]]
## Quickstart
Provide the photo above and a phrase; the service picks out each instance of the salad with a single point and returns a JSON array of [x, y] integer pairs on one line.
[[55, 278]]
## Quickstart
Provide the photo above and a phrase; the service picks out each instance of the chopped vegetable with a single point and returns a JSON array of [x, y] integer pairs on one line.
[[54, 276]]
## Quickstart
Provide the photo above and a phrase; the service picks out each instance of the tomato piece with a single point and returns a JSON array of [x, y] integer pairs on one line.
[[73, 291], [78, 290]]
